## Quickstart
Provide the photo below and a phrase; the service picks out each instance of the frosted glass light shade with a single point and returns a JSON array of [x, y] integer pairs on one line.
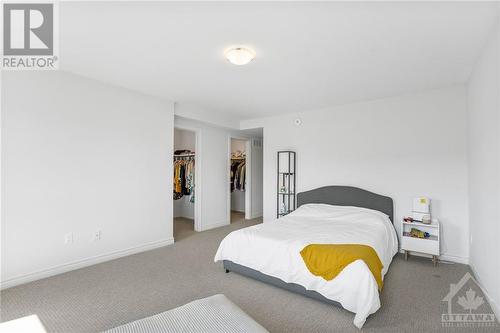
[[239, 55]]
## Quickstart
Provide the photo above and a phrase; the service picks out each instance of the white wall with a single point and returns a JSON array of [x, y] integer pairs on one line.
[[257, 201], [484, 164], [213, 158], [80, 156], [237, 196], [184, 140], [401, 147], [183, 207], [238, 145], [212, 117]]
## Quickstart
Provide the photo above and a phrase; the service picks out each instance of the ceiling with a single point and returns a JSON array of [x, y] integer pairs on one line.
[[309, 55]]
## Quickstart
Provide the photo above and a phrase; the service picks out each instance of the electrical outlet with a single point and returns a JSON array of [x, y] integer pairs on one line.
[[97, 235], [68, 238]]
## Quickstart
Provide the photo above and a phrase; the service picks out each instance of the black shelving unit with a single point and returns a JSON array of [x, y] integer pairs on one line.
[[285, 201]]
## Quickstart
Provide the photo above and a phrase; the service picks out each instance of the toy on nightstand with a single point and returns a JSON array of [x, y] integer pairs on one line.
[[414, 232]]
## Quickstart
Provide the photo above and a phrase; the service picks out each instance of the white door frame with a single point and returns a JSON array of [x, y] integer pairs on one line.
[[198, 183], [248, 175]]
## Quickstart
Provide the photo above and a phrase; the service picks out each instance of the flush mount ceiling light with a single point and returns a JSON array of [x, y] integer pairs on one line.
[[239, 55]]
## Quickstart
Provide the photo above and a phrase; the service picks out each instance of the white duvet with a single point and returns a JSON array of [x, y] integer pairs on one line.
[[273, 248]]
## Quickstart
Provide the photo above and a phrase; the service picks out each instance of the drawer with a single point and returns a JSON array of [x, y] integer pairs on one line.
[[429, 246]]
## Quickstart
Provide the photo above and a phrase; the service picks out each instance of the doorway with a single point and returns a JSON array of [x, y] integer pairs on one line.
[[186, 183], [238, 179], [245, 190]]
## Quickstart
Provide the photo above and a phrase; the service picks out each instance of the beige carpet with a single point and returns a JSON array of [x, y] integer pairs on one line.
[[183, 228], [237, 216], [96, 298]]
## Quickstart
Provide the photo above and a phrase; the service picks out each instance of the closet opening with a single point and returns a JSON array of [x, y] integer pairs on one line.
[[238, 179], [184, 183]]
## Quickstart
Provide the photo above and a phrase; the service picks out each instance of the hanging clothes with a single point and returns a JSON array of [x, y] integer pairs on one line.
[[242, 179], [183, 177], [238, 172]]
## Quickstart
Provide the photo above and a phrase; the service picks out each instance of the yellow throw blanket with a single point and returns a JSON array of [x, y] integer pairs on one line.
[[328, 260]]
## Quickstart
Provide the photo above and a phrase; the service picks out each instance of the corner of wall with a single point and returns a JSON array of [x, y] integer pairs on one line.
[[197, 113], [491, 300]]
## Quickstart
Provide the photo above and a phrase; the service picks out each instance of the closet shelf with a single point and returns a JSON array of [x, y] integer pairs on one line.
[[185, 155]]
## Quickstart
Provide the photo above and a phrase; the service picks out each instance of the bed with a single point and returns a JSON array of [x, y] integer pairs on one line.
[[270, 252]]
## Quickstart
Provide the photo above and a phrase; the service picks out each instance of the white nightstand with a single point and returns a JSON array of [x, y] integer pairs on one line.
[[428, 245]]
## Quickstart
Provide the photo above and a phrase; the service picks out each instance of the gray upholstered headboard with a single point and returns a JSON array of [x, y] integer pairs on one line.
[[347, 196]]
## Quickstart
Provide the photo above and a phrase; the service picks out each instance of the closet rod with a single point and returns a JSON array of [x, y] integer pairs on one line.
[[184, 155]]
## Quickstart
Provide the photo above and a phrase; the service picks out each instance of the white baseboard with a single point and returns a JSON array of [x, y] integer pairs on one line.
[[184, 217], [215, 225], [456, 259], [55, 270], [256, 215], [447, 257], [494, 306]]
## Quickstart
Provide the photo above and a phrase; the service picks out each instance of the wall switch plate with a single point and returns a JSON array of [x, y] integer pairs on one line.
[[68, 238], [97, 235]]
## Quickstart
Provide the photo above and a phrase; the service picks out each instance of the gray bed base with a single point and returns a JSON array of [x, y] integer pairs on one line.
[[332, 195], [230, 266]]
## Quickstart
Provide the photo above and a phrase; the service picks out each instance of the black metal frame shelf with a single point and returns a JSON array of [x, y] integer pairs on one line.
[[286, 178]]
